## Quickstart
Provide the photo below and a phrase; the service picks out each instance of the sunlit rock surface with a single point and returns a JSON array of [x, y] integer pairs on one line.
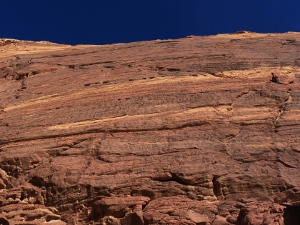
[[188, 131]]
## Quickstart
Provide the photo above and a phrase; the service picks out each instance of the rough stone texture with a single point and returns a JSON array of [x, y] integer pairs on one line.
[[188, 131]]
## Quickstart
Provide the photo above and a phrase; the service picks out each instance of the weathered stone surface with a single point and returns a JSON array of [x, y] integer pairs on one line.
[[25, 205], [130, 209], [181, 210], [187, 131], [261, 213]]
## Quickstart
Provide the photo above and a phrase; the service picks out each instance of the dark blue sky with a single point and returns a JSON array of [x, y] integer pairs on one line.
[[115, 21]]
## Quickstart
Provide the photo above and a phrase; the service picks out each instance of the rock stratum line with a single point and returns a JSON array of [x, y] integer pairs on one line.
[[188, 131]]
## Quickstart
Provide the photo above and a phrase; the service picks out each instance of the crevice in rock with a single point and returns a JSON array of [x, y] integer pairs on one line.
[[242, 94], [192, 124], [175, 178], [144, 192], [281, 110], [37, 181], [145, 205], [101, 158], [291, 215], [286, 164], [67, 55], [4, 221], [216, 186], [178, 179]]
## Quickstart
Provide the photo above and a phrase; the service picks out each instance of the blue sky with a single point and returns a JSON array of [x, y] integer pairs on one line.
[[115, 21]]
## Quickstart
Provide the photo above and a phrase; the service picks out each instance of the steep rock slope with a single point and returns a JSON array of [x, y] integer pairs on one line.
[[188, 131]]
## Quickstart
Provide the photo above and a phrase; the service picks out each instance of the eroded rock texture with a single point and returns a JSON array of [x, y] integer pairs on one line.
[[187, 131]]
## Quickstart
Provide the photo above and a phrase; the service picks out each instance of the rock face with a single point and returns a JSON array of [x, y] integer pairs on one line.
[[188, 131]]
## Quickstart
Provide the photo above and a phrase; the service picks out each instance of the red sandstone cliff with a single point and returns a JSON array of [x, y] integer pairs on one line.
[[188, 131]]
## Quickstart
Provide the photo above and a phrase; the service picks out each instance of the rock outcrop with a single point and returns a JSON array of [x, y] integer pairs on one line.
[[188, 131]]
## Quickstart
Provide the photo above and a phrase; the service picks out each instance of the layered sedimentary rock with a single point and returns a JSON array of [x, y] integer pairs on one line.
[[188, 131]]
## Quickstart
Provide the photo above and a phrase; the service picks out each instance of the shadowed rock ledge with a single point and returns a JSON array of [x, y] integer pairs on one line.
[[188, 131]]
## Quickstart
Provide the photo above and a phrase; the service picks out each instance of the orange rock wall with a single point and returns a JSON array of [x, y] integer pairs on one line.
[[188, 131]]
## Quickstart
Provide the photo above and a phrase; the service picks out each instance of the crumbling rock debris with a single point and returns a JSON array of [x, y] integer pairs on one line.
[[188, 131]]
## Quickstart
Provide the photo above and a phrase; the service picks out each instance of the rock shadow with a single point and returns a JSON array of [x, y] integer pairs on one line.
[[4, 221], [291, 215]]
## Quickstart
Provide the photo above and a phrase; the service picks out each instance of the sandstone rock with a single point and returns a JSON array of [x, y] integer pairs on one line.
[[4, 180], [127, 209], [197, 218], [261, 213], [219, 220], [185, 131], [181, 209], [110, 220], [25, 204]]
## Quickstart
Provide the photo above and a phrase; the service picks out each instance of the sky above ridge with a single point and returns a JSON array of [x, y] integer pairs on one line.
[[118, 21]]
